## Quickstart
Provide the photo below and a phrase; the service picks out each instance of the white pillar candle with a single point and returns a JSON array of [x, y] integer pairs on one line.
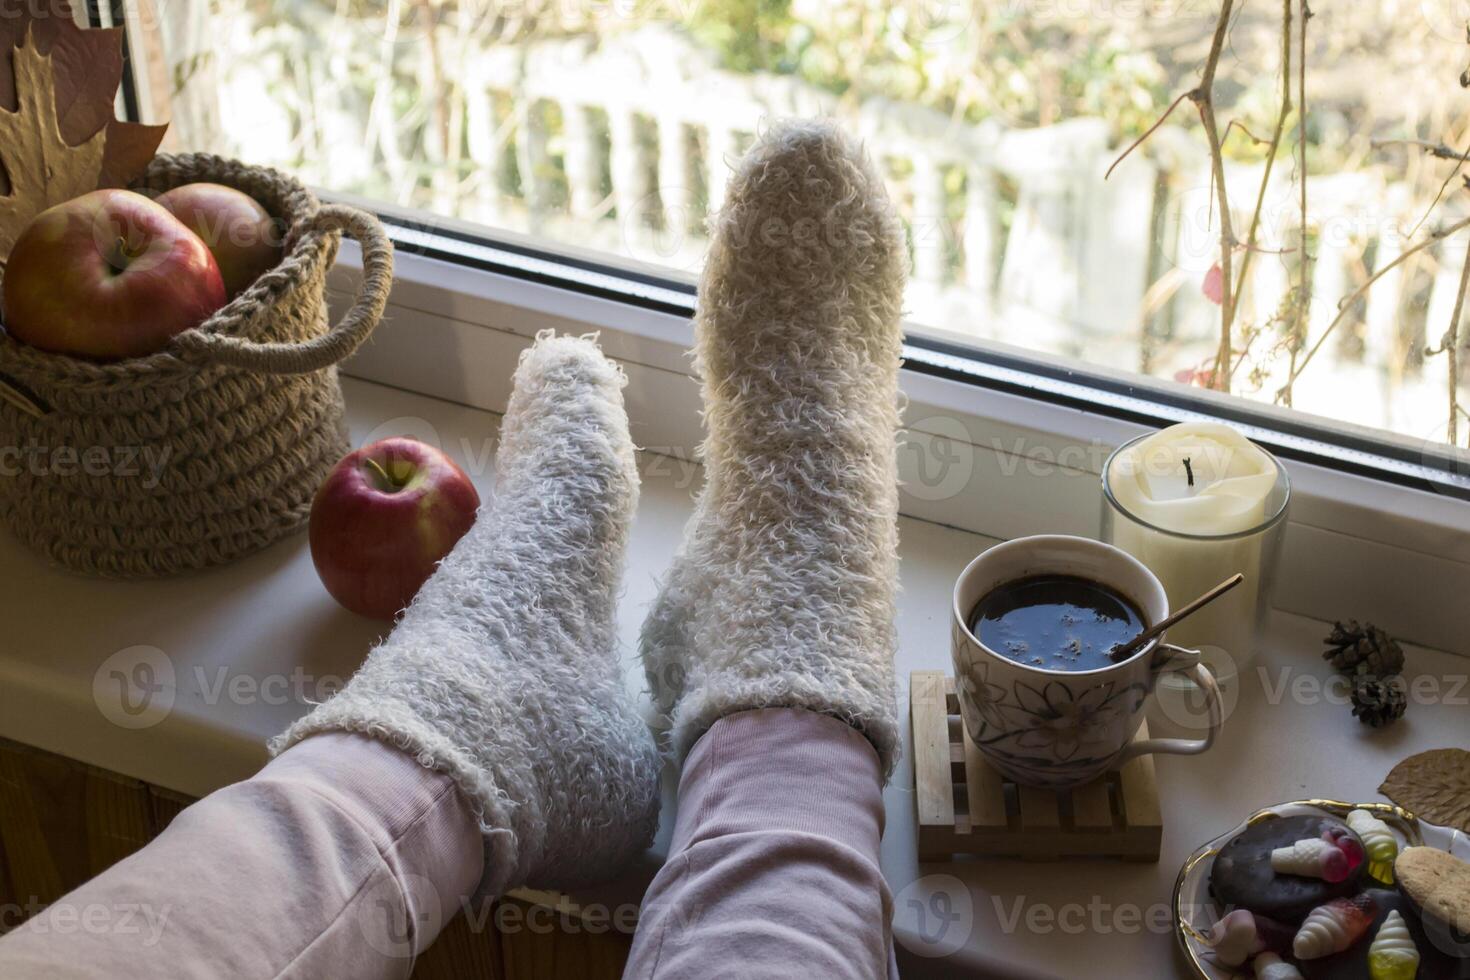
[[1201, 478], [1201, 482]]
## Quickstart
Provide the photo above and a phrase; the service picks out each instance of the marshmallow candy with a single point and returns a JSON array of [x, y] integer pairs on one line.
[[1311, 858], [1333, 927], [1269, 966], [1241, 934], [1393, 955], [1378, 840]]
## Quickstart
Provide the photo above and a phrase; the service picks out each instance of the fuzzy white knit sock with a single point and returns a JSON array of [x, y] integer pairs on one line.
[[783, 592], [503, 672]]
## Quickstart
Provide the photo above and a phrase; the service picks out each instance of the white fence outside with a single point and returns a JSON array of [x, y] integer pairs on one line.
[[624, 143]]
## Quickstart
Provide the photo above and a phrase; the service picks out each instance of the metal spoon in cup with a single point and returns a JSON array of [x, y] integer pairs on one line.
[[1124, 650]]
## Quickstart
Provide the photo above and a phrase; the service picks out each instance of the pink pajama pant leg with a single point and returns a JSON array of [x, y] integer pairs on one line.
[[342, 858], [773, 870]]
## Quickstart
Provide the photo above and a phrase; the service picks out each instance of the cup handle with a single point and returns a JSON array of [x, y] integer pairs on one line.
[[1182, 661]]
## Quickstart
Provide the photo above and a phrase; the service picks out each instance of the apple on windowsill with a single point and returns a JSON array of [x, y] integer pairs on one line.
[[384, 519]]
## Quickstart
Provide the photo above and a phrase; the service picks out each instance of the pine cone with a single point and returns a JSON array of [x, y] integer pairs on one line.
[[1378, 701], [1363, 649]]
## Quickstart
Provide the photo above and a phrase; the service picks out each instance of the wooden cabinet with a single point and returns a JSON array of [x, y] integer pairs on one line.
[[62, 822]]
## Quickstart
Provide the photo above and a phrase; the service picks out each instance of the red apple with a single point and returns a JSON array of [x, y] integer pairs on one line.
[[385, 517], [108, 275], [245, 239]]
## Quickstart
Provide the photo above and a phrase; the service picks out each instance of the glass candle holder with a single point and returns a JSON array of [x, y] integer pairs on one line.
[[1229, 631]]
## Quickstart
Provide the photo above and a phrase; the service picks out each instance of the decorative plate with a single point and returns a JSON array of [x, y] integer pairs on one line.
[[1195, 911]]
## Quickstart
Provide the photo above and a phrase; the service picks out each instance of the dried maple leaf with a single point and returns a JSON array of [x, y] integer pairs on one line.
[[44, 170], [130, 148], [87, 68], [76, 56], [1434, 786], [84, 61]]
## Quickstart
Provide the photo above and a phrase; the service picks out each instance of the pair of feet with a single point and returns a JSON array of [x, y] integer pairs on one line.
[[504, 671]]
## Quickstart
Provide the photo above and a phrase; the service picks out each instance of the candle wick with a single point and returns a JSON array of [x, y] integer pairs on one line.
[[1188, 471]]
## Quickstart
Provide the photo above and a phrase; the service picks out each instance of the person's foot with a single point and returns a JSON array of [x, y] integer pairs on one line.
[[503, 672], [783, 592]]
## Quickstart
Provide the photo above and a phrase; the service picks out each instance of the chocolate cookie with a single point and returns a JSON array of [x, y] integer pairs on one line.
[[1352, 963], [1437, 885], [1242, 874]]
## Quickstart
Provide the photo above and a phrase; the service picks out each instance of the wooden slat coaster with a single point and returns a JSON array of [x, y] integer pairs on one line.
[[965, 806]]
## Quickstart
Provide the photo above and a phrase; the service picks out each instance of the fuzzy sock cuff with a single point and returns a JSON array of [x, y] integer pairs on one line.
[[865, 706], [400, 727]]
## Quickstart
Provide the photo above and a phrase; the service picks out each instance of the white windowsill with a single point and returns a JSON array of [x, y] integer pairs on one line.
[[238, 638]]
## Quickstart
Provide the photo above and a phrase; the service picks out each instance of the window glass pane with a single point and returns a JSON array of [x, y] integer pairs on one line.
[[611, 125]]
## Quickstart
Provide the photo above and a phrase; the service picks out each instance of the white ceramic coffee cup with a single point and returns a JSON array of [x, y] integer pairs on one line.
[[1058, 729]]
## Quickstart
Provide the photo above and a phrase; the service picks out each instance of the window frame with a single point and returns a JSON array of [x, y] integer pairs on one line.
[[1290, 434], [1366, 500]]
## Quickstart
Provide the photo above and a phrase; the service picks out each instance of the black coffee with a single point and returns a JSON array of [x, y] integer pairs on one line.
[[1058, 622]]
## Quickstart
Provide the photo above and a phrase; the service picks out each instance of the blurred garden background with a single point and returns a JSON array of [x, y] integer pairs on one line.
[[610, 126]]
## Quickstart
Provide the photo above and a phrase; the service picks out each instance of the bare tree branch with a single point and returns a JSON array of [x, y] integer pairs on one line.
[[1433, 149], [1347, 302], [1237, 124], [1451, 347], [1275, 142], [1203, 97], [1146, 134], [1296, 332], [1460, 159]]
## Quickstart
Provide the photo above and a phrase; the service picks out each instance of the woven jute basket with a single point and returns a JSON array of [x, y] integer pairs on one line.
[[213, 447]]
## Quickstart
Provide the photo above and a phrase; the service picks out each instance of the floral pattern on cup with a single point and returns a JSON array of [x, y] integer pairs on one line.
[[1047, 730], [986, 697], [1064, 723]]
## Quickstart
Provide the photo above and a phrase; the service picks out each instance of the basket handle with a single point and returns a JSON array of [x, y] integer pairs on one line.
[[338, 342]]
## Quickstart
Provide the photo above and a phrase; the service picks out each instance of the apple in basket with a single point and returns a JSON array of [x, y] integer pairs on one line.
[[108, 275], [384, 518], [245, 239]]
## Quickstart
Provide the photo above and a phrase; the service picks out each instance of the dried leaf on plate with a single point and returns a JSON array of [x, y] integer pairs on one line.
[[1434, 786]]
